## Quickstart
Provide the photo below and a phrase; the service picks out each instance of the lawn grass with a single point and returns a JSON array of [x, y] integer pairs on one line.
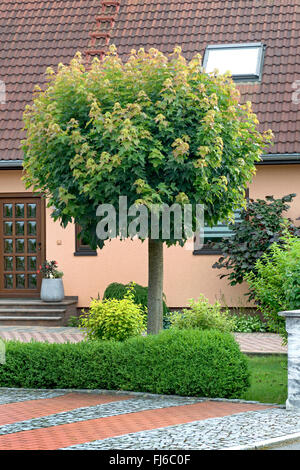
[[268, 379]]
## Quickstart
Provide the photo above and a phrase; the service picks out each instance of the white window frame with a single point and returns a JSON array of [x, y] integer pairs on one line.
[[253, 77]]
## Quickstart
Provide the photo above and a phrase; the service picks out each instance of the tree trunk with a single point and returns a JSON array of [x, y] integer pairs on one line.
[[155, 286]]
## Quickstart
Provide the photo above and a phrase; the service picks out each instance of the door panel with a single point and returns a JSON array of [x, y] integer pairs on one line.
[[21, 245]]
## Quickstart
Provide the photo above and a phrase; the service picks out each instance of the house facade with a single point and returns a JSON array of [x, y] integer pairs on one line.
[[36, 35]]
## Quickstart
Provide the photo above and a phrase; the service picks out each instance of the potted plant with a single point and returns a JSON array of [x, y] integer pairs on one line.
[[52, 289]]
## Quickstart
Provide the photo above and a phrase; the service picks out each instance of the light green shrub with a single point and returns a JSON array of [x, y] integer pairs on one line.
[[113, 319], [203, 315], [276, 284], [250, 324], [116, 290]]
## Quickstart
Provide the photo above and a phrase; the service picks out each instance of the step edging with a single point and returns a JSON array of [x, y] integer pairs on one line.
[[28, 318]]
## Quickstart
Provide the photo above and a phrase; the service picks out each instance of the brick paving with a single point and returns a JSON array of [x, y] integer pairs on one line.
[[76, 433], [41, 333], [15, 412], [267, 343]]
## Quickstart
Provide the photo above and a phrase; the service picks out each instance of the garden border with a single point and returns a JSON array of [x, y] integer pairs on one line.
[[268, 443]]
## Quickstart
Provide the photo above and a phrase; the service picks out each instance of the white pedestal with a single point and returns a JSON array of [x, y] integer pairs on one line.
[[292, 319]]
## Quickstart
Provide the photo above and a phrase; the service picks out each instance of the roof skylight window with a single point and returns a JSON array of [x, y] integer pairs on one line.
[[243, 61]]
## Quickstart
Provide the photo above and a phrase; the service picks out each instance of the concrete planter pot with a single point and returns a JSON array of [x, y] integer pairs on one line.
[[52, 290]]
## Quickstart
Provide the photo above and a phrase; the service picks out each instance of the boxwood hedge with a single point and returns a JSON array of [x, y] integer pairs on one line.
[[181, 362]]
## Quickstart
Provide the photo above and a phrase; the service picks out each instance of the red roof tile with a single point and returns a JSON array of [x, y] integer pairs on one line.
[[196, 24], [35, 35]]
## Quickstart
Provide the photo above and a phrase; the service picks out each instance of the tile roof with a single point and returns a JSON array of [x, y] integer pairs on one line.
[[195, 24], [35, 35]]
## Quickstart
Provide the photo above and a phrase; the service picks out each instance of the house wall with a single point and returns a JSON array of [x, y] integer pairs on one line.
[[186, 275]]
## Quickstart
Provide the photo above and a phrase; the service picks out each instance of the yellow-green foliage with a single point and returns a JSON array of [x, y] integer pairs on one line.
[[204, 316], [113, 319], [156, 129]]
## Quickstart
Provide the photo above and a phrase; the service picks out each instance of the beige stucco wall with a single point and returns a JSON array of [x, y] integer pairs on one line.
[[186, 275]]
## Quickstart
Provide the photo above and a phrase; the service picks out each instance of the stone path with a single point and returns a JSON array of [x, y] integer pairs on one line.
[[100, 420], [48, 420], [267, 343], [54, 334]]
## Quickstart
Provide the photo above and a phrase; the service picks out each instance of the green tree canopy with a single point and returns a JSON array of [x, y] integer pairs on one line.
[[156, 129]]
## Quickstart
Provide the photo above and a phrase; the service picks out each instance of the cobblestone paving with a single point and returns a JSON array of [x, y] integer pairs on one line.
[[210, 434], [18, 395], [133, 405], [139, 421]]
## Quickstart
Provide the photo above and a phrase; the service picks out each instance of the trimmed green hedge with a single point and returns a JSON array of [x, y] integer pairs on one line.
[[186, 362]]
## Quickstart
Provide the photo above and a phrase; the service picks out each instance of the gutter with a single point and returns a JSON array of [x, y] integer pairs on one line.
[[267, 159], [11, 164], [279, 159]]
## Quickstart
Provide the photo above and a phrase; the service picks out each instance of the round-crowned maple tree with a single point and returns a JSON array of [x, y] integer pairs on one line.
[[156, 129]]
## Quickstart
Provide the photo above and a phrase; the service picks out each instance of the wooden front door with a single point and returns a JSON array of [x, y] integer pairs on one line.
[[21, 245]]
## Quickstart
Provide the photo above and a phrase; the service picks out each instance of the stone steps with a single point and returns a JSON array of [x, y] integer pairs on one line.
[[35, 312]]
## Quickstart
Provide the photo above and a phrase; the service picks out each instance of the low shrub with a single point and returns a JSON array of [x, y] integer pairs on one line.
[[203, 315], [73, 321], [116, 290], [275, 285], [250, 324], [181, 362], [114, 319]]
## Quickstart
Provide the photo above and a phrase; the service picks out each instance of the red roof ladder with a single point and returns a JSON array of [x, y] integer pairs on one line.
[[105, 23]]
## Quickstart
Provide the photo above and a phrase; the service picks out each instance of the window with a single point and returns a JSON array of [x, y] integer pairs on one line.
[[81, 248], [244, 61], [216, 234]]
